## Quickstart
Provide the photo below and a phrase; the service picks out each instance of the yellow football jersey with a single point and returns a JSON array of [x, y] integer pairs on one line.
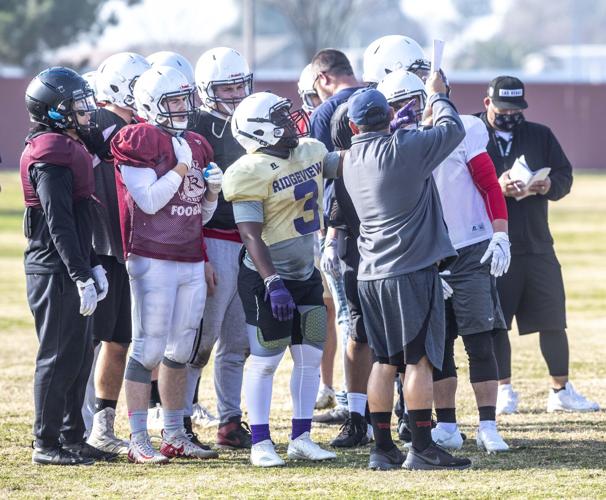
[[290, 189]]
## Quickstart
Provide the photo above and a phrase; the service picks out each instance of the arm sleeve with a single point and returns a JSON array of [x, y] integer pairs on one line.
[[484, 177], [208, 209], [248, 211], [431, 147], [54, 189], [561, 170], [150, 193]]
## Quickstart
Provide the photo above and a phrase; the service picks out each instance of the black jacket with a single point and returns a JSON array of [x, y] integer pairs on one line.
[[528, 218], [60, 233]]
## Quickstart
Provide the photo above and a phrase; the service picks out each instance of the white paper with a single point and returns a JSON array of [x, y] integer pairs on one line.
[[520, 171], [436, 56]]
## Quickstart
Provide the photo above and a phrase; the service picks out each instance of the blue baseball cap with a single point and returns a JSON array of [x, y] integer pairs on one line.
[[368, 107]]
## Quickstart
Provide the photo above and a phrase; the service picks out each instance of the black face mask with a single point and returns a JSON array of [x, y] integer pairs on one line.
[[508, 122]]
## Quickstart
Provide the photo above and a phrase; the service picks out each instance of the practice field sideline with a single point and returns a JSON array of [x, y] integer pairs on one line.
[[552, 455]]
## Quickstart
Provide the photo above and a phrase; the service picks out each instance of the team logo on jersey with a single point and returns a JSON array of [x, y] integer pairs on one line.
[[193, 187]]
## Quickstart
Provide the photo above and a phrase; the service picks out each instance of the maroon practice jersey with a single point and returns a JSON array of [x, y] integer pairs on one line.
[[59, 149], [175, 231]]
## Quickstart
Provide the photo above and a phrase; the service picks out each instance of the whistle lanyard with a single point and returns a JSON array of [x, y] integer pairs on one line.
[[499, 141]]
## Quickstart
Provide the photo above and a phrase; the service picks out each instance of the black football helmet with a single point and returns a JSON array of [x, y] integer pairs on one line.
[[56, 95]]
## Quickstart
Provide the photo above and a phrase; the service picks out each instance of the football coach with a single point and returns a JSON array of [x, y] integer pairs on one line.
[[532, 290]]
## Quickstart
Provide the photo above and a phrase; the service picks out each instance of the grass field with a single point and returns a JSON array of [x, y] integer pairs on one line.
[[553, 456]]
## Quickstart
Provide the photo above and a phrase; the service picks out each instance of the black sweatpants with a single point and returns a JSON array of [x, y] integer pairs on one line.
[[64, 358]]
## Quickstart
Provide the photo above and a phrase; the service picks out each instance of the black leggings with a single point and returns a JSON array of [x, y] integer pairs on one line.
[[554, 347], [480, 352]]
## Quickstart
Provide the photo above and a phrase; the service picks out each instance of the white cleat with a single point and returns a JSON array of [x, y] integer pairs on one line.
[[507, 400], [489, 439], [155, 418], [102, 434], [263, 454], [141, 451], [569, 400], [203, 417], [303, 448], [179, 445], [326, 398], [447, 440]]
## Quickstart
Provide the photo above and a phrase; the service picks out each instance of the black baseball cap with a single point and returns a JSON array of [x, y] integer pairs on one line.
[[507, 92]]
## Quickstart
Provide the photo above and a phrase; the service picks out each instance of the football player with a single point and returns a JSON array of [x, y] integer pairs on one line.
[[165, 196], [114, 81], [276, 190], [64, 277], [174, 60], [223, 79], [476, 215]]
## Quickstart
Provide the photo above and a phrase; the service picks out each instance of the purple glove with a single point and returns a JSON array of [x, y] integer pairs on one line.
[[405, 116], [282, 304]]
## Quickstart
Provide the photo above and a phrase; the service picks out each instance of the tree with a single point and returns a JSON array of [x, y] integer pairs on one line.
[[28, 28], [317, 23]]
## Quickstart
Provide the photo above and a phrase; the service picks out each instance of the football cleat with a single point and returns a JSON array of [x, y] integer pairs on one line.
[[385, 460], [141, 451], [58, 456], [434, 458], [354, 432], [102, 434], [507, 400], [203, 417], [263, 454], [569, 399], [234, 434], [303, 448], [489, 439], [179, 445], [447, 440], [326, 398]]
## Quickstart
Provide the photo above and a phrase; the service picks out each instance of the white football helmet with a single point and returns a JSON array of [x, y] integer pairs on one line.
[[155, 88], [90, 77], [402, 86], [116, 78], [306, 88], [393, 52], [174, 60], [263, 118], [222, 66]]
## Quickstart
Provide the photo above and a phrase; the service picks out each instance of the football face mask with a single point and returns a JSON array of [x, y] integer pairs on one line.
[[290, 126], [176, 109]]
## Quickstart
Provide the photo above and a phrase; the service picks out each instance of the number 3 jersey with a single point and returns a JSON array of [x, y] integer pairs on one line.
[[285, 195]]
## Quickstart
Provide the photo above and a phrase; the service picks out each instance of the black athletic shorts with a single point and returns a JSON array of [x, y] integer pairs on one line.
[[112, 319], [258, 310], [357, 332], [404, 317], [533, 292]]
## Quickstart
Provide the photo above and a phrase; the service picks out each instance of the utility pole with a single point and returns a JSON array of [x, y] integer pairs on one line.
[[248, 32]]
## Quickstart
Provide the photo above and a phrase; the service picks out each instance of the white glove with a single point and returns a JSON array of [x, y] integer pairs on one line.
[[213, 177], [329, 262], [101, 281], [182, 151], [88, 296], [447, 290], [498, 248]]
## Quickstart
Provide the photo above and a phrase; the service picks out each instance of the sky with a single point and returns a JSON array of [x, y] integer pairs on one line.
[[161, 20]]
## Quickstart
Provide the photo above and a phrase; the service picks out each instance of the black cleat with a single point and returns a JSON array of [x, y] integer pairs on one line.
[[58, 456], [434, 458], [385, 460], [354, 432], [193, 437], [234, 434], [85, 450]]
